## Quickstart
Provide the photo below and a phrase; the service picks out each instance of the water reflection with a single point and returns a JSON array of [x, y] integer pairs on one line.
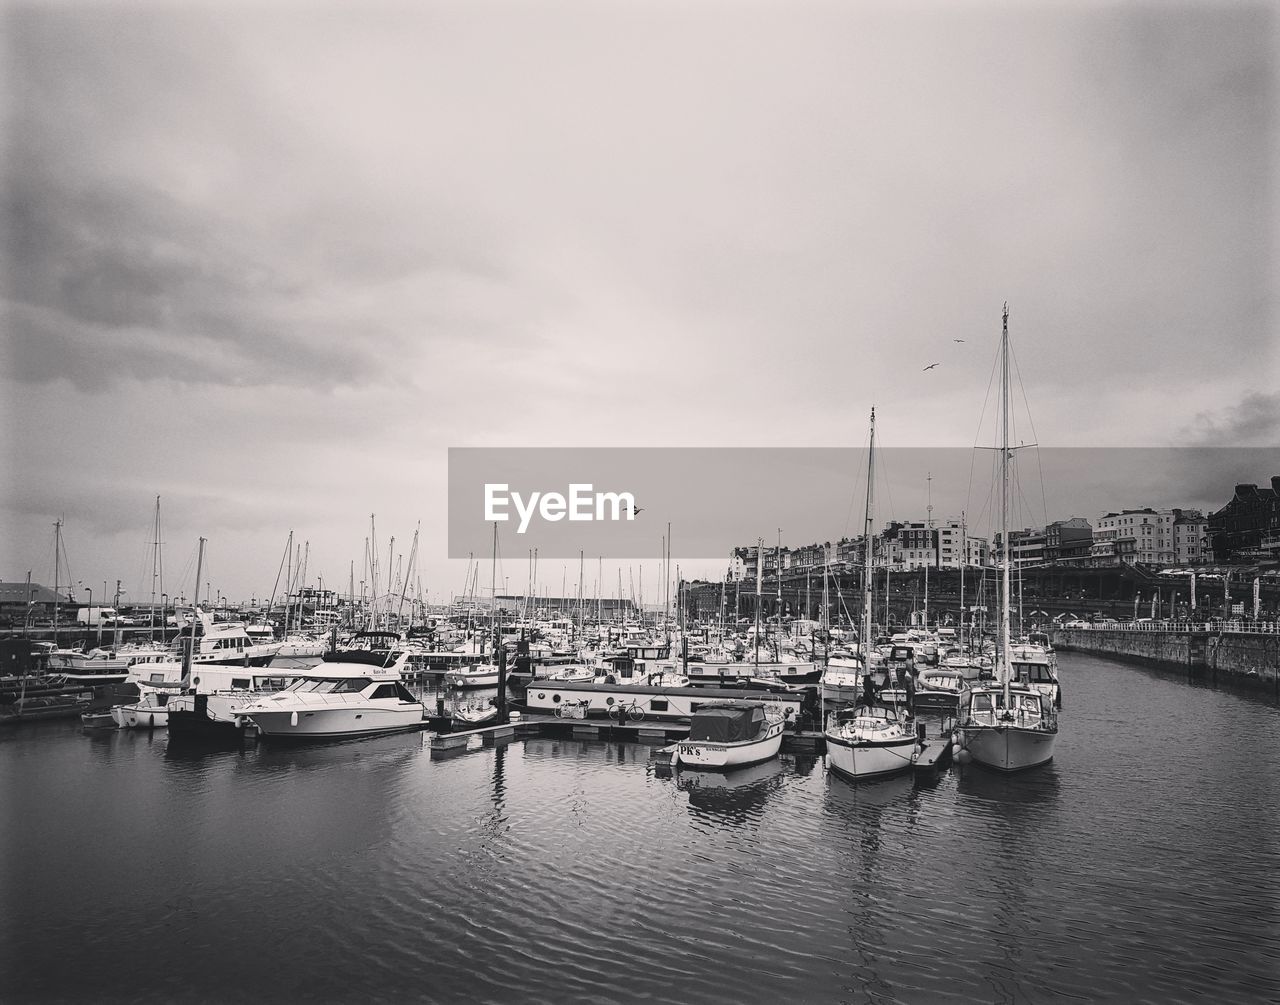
[[731, 796], [1034, 787]]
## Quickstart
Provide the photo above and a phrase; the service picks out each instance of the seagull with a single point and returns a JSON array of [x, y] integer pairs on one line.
[[637, 510], [931, 366], [957, 340]]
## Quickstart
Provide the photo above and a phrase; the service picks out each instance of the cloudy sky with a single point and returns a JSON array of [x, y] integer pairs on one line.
[[270, 260]]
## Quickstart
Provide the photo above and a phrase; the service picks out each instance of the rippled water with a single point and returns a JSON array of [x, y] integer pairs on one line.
[[1141, 865]]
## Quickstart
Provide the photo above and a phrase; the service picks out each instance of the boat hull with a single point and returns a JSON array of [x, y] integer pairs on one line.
[[721, 756], [329, 724], [1008, 748], [865, 759]]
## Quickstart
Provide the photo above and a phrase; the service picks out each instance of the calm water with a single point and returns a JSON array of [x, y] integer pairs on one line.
[[1140, 866]]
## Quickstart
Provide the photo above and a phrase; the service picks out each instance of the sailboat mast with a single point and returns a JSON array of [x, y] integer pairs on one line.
[[1004, 502], [866, 553], [759, 577]]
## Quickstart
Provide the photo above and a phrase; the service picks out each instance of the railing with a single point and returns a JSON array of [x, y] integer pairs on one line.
[[1234, 625]]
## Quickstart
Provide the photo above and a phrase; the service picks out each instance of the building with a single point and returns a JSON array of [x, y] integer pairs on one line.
[[1067, 540], [1191, 538], [1247, 528], [918, 545], [18, 600], [1139, 536]]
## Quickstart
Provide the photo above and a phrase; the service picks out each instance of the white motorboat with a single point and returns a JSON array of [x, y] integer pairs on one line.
[[225, 642], [730, 734], [1035, 665], [474, 714], [872, 740], [842, 680], [355, 691], [938, 689]]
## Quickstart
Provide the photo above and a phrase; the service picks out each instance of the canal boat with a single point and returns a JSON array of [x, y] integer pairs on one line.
[[52, 706], [1007, 725], [355, 691], [730, 734], [672, 704]]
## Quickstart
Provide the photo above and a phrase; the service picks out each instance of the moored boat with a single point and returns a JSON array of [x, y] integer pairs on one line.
[[355, 691], [730, 734]]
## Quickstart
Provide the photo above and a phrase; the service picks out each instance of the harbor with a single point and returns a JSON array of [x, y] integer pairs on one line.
[[580, 872]]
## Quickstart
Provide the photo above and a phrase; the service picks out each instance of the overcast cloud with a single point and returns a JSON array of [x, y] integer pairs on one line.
[[271, 260]]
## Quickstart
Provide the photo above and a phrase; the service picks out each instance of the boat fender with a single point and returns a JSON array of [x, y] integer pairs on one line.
[[293, 718], [963, 756]]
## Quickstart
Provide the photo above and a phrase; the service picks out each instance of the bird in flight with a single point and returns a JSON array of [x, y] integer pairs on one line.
[[957, 340], [636, 511], [931, 366]]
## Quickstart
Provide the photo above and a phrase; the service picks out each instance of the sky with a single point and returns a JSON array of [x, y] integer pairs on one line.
[[269, 261]]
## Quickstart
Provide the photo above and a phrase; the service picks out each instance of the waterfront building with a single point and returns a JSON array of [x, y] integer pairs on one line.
[[1140, 536], [1069, 539], [1191, 538], [1247, 528]]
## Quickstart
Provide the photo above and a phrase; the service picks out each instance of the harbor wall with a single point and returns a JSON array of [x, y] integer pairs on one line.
[[1250, 659]]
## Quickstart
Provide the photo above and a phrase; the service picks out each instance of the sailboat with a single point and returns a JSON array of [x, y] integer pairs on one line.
[[876, 737], [1007, 725]]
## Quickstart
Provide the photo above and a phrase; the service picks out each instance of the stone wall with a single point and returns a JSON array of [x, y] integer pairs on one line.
[[1250, 659]]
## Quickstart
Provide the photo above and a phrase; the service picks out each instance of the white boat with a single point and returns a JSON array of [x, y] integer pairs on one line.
[[355, 691], [842, 680], [207, 712], [730, 734], [568, 671], [477, 675], [1035, 665], [1006, 725], [939, 689], [150, 711], [101, 666], [873, 740], [474, 714], [225, 642], [875, 737]]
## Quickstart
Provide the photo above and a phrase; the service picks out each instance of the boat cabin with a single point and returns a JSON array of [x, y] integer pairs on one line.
[[726, 722], [986, 707], [351, 685]]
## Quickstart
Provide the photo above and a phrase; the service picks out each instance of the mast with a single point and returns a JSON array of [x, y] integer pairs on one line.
[[189, 651], [964, 560], [493, 592], [759, 577], [777, 571], [866, 556], [1004, 503], [155, 564], [57, 553]]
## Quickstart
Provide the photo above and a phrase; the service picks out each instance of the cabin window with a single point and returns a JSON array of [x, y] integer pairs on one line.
[[556, 698], [349, 686], [157, 677], [404, 694], [384, 691], [658, 705], [240, 682]]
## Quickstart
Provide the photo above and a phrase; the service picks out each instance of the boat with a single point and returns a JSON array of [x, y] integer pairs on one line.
[[476, 675], [354, 691], [150, 711], [875, 737], [1034, 665], [99, 720], [53, 706], [100, 666], [474, 714], [938, 690], [205, 714], [223, 642], [730, 734], [1007, 725]]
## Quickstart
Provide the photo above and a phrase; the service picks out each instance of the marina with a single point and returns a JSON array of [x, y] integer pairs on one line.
[[684, 886]]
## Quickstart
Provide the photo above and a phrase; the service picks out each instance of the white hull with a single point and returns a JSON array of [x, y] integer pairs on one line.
[[140, 717], [875, 759], [1008, 748], [704, 754], [327, 723], [472, 679]]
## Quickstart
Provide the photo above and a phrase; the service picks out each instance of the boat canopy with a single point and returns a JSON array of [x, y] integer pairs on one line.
[[724, 723]]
